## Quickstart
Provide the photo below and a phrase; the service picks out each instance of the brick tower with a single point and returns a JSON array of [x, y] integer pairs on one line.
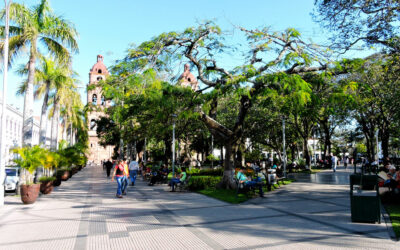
[[94, 96]]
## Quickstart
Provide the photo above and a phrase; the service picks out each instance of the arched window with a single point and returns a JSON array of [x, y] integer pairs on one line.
[[103, 101], [99, 71], [94, 99], [93, 124], [99, 78]]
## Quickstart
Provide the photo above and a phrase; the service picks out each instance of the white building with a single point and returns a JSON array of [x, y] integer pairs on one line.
[[14, 129]]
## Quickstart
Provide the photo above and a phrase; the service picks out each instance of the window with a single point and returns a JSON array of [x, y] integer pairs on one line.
[[93, 124], [103, 101], [99, 71], [94, 99], [99, 78]]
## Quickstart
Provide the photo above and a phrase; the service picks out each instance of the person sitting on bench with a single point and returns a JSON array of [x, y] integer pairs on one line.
[[181, 179], [250, 183]]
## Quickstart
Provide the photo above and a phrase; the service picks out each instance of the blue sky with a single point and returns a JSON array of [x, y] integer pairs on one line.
[[108, 27]]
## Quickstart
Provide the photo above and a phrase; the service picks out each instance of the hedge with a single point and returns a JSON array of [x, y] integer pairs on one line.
[[203, 182]]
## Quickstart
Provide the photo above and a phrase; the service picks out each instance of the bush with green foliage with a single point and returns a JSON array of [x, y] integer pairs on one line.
[[207, 172], [203, 182], [301, 163], [47, 178]]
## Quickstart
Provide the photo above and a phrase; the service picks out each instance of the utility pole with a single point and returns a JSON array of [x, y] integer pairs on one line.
[[4, 106]]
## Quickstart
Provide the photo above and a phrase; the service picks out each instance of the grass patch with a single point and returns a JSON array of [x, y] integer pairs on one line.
[[394, 213], [306, 171], [225, 195], [230, 195]]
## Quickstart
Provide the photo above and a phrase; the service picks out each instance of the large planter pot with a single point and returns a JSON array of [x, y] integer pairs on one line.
[[65, 175], [29, 193], [46, 187], [74, 170], [57, 182]]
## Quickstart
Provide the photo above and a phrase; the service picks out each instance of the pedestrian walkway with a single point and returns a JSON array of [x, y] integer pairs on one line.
[[83, 213]]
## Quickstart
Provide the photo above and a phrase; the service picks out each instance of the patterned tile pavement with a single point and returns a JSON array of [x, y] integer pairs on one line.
[[83, 213]]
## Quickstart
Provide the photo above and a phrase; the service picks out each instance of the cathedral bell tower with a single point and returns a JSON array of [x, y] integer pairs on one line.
[[99, 72]]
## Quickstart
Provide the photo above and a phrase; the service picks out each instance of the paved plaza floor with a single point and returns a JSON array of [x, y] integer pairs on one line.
[[83, 213]]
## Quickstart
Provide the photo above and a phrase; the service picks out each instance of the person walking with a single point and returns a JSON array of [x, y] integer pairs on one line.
[[118, 174], [109, 166], [125, 178], [334, 162], [133, 171]]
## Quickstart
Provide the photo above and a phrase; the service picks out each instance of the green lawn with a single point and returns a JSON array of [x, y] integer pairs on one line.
[[307, 171], [394, 213], [230, 195]]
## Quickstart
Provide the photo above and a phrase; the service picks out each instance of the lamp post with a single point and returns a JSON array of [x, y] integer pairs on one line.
[[314, 155], [284, 146], [212, 151], [377, 147], [4, 106], [173, 144]]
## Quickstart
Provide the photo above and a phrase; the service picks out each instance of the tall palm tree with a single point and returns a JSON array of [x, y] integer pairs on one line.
[[72, 114], [33, 27], [64, 94], [48, 75]]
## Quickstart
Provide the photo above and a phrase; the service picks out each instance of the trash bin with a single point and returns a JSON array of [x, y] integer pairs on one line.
[[271, 176], [364, 198]]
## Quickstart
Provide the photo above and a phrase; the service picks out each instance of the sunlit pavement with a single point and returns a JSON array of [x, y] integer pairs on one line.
[[83, 213]]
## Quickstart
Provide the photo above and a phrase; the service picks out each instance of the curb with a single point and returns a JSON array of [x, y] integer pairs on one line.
[[388, 223]]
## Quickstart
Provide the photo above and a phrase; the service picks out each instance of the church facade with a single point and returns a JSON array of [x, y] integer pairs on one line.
[[98, 72]]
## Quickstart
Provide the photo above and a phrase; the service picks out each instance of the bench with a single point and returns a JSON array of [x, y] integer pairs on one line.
[[276, 179], [184, 186], [242, 188]]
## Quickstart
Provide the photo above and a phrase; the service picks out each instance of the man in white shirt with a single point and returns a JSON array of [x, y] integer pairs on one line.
[[133, 170], [334, 162]]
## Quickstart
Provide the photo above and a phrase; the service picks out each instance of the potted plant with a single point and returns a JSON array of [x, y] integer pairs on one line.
[[29, 161], [46, 184], [49, 160]]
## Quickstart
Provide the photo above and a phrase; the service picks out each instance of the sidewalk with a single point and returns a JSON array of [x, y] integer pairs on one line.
[[83, 213]]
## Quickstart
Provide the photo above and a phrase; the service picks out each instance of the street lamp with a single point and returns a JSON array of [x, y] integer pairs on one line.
[[284, 146], [173, 144], [315, 157], [4, 106], [377, 147], [212, 151]]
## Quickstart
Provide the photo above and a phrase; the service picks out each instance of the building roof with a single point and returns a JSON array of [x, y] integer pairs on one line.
[[99, 67]]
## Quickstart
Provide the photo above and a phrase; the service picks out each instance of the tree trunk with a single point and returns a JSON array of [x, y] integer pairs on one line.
[[27, 127], [222, 153], [54, 123], [385, 135], [43, 116], [227, 181], [306, 152]]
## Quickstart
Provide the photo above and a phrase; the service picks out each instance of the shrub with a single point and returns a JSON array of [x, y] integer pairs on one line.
[[203, 182], [47, 178], [301, 163], [211, 172]]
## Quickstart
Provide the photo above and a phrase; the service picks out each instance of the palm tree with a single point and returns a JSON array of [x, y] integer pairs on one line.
[[65, 93], [34, 26], [48, 75], [72, 114]]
